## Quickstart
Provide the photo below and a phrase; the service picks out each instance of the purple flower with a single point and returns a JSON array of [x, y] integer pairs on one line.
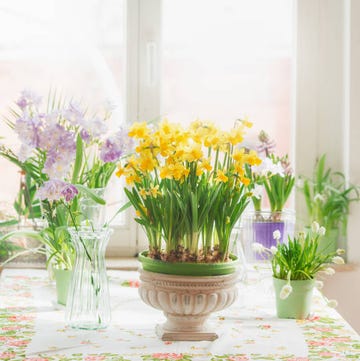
[[113, 147], [29, 130], [55, 189], [28, 98], [69, 192], [96, 127], [74, 113], [85, 136]]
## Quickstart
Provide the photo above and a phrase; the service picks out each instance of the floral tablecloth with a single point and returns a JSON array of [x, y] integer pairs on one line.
[[32, 327]]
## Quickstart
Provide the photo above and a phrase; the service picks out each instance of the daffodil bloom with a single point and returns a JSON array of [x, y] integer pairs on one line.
[[221, 177], [154, 191], [139, 130], [143, 193]]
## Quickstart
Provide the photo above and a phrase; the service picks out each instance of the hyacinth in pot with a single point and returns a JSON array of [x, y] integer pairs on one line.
[[296, 269], [273, 182], [189, 189], [69, 155]]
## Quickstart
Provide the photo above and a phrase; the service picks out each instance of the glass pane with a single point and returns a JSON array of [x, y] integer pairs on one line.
[[225, 59], [75, 47]]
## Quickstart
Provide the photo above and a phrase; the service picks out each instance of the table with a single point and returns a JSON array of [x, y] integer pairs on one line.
[[32, 327]]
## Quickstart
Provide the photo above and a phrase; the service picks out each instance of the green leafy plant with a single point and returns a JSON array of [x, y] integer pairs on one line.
[[274, 175], [328, 196], [64, 154], [188, 187], [299, 259]]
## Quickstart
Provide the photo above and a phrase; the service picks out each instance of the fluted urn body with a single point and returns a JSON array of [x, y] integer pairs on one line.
[[187, 302]]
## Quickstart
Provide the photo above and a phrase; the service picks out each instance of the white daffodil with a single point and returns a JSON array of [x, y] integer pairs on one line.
[[332, 303], [315, 227], [285, 291], [258, 247], [340, 251], [277, 235], [338, 260], [322, 231], [319, 284]]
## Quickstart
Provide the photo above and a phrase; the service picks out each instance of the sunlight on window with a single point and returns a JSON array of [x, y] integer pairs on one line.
[[223, 60], [76, 47]]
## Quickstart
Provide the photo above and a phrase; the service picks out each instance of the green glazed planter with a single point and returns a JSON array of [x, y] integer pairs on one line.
[[298, 304], [62, 280], [188, 268]]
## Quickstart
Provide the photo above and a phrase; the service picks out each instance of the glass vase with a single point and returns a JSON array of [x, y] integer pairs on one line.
[[259, 227], [93, 213], [88, 301]]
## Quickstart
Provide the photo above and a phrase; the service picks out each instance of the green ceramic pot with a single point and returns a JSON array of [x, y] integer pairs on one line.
[[62, 280], [188, 268], [298, 304]]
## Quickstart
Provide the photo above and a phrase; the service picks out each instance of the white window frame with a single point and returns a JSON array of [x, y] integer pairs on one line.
[[327, 87]]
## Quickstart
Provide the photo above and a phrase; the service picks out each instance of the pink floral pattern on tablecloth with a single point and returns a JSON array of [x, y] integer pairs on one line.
[[327, 337]]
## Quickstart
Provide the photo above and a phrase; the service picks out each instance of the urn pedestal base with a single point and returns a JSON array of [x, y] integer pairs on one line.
[[187, 302]]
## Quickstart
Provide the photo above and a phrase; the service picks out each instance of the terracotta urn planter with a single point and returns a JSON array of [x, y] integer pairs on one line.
[[187, 302]]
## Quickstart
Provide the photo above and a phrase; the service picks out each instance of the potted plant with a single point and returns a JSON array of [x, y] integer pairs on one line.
[[69, 155], [189, 188], [328, 197], [295, 267], [273, 182]]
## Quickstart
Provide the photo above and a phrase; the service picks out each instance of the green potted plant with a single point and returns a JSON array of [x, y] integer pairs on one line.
[[189, 189], [328, 197], [273, 182], [68, 155], [295, 267]]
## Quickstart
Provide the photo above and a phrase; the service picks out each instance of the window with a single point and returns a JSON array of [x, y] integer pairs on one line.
[[212, 59]]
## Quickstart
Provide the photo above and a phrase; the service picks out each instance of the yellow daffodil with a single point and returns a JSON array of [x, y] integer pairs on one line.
[[154, 191], [221, 177], [139, 130], [143, 193]]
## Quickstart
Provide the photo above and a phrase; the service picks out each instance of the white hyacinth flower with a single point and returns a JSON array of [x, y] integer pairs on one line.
[[315, 227], [338, 260], [273, 249], [319, 284], [322, 231], [258, 247], [285, 291], [340, 251], [332, 303], [277, 235]]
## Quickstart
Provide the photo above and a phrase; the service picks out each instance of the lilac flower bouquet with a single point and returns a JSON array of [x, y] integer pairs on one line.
[[68, 154]]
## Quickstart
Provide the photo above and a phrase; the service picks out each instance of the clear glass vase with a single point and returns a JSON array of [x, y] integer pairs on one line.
[[88, 301], [93, 213]]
